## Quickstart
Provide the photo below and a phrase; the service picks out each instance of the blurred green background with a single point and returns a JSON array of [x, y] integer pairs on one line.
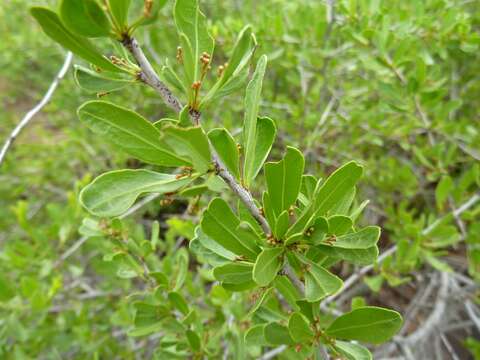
[[392, 84]]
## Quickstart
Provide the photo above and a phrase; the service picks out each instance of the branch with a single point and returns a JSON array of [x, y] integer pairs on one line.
[[148, 74], [359, 274], [29, 116], [150, 77]]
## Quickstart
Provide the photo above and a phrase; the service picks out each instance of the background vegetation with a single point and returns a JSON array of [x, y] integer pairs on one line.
[[391, 84]]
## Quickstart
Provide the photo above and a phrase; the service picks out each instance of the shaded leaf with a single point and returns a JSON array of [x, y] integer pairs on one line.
[[113, 193], [267, 265]]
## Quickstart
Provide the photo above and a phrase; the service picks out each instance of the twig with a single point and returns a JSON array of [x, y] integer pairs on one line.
[[148, 74], [272, 353], [83, 239], [29, 115]]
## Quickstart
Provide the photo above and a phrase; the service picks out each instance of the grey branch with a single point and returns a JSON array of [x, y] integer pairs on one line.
[[29, 115], [148, 74]]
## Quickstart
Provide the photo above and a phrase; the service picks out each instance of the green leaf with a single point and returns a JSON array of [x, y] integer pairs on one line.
[[211, 252], [265, 136], [113, 193], [355, 256], [288, 290], [193, 340], [337, 186], [85, 18], [319, 282], [282, 224], [352, 351], [277, 334], [318, 230], [119, 11], [234, 273], [152, 15], [363, 239], [299, 328], [267, 265], [226, 148], [241, 55], [178, 302], [53, 27], [443, 190], [191, 22], [339, 224], [368, 324], [7, 290], [95, 82], [284, 179], [252, 103], [255, 336], [220, 223], [130, 132], [189, 143]]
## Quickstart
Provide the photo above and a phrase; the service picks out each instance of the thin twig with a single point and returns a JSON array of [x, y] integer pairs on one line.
[[272, 353], [29, 115], [72, 249]]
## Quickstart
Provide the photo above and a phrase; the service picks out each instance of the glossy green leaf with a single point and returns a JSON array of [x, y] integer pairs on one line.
[[368, 324], [281, 226], [241, 55], [189, 143], [119, 11], [113, 193], [85, 18], [178, 302], [267, 265], [209, 250], [317, 232], [226, 148], [363, 239], [193, 340], [339, 225], [336, 187], [299, 328], [220, 223], [95, 82], [255, 336], [53, 27], [130, 132], [276, 334], [234, 273], [284, 180], [289, 292], [355, 256], [265, 136], [319, 282], [192, 22], [252, 103], [352, 351]]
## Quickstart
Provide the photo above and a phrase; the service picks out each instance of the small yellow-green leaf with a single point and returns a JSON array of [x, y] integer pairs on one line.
[[363, 239]]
